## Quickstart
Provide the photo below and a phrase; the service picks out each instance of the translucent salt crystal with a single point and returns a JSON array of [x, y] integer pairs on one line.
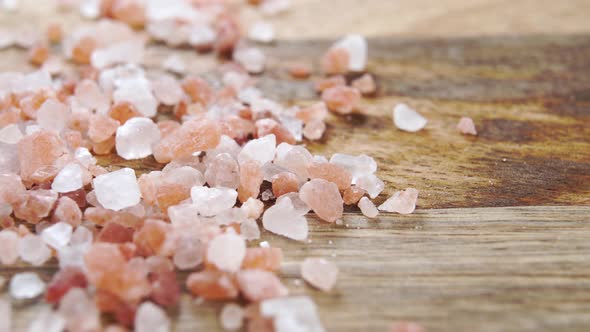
[[258, 284], [299, 205], [267, 195], [183, 214], [295, 159], [466, 126], [33, 250], [174, 63], [283, 219], [231, 317], [262, 32], [128, 51], [9, 162], [138, 92], [293, 125], [314, 130], [90, 95], [402, 202], [68, 179], [341, 99], [167, 90], [10, 134], [135, 138], [26, 286], [357, 165], [117, 190], [57, 235], [52, 115], [261, 150], [5, 315], [47, 320], [189, 253], [371, 184], [356, 46], [367, 208], [212, 201], [323, 197], [201, 35], [249, 230], [320, 273], [72, 256], [223, 171], [298, 313], [151, 318], [253, 208], [8, 247], [408, 119], [82, 237], [269, 170], [226, 252], [226, 145], [253, 59], [84, 157]]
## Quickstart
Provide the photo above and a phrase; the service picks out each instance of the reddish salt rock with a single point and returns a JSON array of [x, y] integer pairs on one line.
[[123, 111], [165, 288], [250, 180], [323, 197], [352, 195], [67, 210], [151, 238], [104, 147], [330, 172], [193, 135], [12, 189], [323, 84], [83, 50], [269, 126], [299, 70], [341, 99], [109, 303], [335, 61], [38, 155], [284, 182], [466, 126], [212, 285], [402, 202], [36, 205], [406, 327], [268, 259], [115, 233], [258, 285], [54, 32], [78, 196], [65, 279], [198, 89], [101, 128], [365, 84], [319, 273], [130, 12], [315, 112], [38, 54]]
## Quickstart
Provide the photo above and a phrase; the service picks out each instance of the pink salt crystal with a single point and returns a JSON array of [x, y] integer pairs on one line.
[[352, 195], [284, 182], [365, 84], [295, 159], [33, 250], [38, 155], [341, 99], [11, 188], [371, 184], [253, 59], [406, 327], [152, 238], [356, 48], [192, 136], [63, 281], [335, 61], [269, 126], [8, 247], [466, 126], [189, 253], [79, 311], [198, 89], [167, 90], [407, 119], [52, 115], [329, 82], [330, 172], [131, 12], [36, 205], [151, 318], [402, 202], [231, 317], [90, 95], [268, 259], [320, 273], [223, 171], [250, 180], [368, 208], [253, 208], [101, 127], [134, 139], [323, 197], [227, 252], [315, 112], [283, 219], [212, 285], [258, 285], [249, 229], [314, 130]]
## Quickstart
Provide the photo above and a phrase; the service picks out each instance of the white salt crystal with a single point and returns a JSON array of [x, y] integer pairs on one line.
[[47, 320], [367, 208], [5, 315], [201, 35], [8, 247], [52, 115], [357, 165], [319, 272], [249, 230], [262, 32], [227, 251], [402, 202], [289, 314], [135, 138], [89, 95], [356, 46], [174, 63], [90, 8], [183, 214], [267, 195], [68, 179], [117, 190], [84, 157], [274, 7], [128, 51], [10, 134], [231, 317], [408, 119], [151, 318], [371, 184], [32, 249], [57, 235], [26, 285], [213, 201], [283, 219], [251, 58], [261, 150]]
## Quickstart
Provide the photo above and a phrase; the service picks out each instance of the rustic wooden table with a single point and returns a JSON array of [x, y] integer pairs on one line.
[[500, 238]]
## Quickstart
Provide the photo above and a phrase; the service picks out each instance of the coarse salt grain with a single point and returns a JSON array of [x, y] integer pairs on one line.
[[407, 119], [117, 190]]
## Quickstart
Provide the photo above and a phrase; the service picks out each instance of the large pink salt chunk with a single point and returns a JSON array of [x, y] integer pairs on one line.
[[319, 273], [323, 197], [258, 285], [402, 202], [341, 99], [250, 180], [331, 172], [227, 252], [192, 136], [466, 126], [39, 154], [284, 182], [36, 205], [67, 210]]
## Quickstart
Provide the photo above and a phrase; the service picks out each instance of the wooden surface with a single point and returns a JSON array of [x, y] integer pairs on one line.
[[521, 69]]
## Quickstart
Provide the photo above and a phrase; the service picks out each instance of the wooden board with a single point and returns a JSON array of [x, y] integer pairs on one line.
[[522, 263]]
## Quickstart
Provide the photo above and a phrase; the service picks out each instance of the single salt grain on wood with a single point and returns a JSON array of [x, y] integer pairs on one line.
[[319, 273], [117, 190], [231, 317], [26, 286], [365, 84], [134, 139], [402, 202], [368, 208], [341, 99], [466, 126], [407, 119]]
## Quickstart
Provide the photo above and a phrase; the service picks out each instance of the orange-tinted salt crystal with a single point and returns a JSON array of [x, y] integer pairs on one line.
[[110, 303], [323, 197], [128, 250], [237, 127], [104, 147], [165, 288], [352, 195], [151, 238], [198, 89], [148, 188], [130, 12], [228, 35], [115, 233], [67, 210], [330, 172], [79, 121], [12, 189], [167, 126], [65, 279], [258, 285], [194, 135], [269, 126], [101, 128], [38, 54], [101, 216], [268, 259], [10, 115], [35, 205], [38, 154], [365, 84], [212, 285], [83, 50], [123, 111], [169, 194], [329, 82], [250, 180], [54, 32], [315, 112], [284, 182], [73, 138], [299, 70], [341, 99], [31, 103], [335, 61]]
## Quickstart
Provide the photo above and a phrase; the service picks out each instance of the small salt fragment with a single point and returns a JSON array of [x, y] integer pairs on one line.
[[47, 320], [57, 235], [226, 252], [466, 126], [261, 150], [212, 201], [408, 119], [371, 184], [52, 115], [231, 317], [365, 84], [323, 197], [368, 208], [402, 202], [253, 208], [314, 130], [151, 318], [406, 327], [283, 219], [341, 99], [223, 171], [262, 32], [10, 134], [117, 190], [174, 63], [298, 313], [320, 273], [357, 165], [253, 59], [134, 139], [26, 286], [68, 179], [356, 46], [32, 249], [8, 247], [267, 195]]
